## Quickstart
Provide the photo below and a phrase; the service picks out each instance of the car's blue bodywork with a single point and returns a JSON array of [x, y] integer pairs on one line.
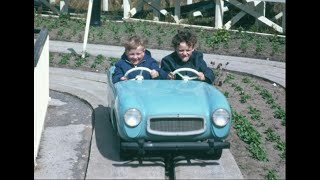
[[176, 115]]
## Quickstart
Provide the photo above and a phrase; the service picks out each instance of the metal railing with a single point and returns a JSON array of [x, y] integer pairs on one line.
[[41, 85]]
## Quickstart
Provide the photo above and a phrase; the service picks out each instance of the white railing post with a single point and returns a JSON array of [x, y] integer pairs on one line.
[[64, 6], [105, 5], [86, 32], [126, 9], [219, 14]]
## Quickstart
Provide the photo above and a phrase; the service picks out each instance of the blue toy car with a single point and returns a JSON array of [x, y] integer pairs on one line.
[[177, 116]]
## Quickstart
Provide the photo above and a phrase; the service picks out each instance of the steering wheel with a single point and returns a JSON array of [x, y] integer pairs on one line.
[[139, 76], [186, 77]]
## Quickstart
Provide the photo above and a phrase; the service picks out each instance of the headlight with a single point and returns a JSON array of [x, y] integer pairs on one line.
[[132, 117], [220, 117]]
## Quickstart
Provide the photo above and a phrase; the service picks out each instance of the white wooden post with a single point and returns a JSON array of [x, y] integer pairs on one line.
[[86, 32], [126, 9], [189, 1], [105, 5], [64, 6], [177, 9], [61, 6], [219, 14]]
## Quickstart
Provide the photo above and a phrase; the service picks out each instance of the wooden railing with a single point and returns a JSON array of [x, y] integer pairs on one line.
[[255, 8], [41, 86]]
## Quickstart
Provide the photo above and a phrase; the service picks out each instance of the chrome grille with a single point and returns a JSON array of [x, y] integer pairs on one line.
[[176, 125]]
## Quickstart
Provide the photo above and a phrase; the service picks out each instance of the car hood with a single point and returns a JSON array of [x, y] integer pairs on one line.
[[171, 97]]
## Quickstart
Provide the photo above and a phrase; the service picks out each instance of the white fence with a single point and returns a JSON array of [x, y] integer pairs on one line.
[[41, 86], [255, 8]]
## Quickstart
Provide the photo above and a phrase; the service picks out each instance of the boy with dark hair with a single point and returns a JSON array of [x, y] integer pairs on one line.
[[185, 56]]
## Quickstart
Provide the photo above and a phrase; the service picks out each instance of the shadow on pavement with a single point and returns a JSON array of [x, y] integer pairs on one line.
[[107, 140]]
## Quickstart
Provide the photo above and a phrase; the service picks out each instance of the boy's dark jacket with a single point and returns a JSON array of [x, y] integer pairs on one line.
[[172, 62], [123, 65]]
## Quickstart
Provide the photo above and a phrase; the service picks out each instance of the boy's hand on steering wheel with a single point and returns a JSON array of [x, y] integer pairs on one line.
[[123, 78], [171, 76], [154, 73], [201, 76]]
